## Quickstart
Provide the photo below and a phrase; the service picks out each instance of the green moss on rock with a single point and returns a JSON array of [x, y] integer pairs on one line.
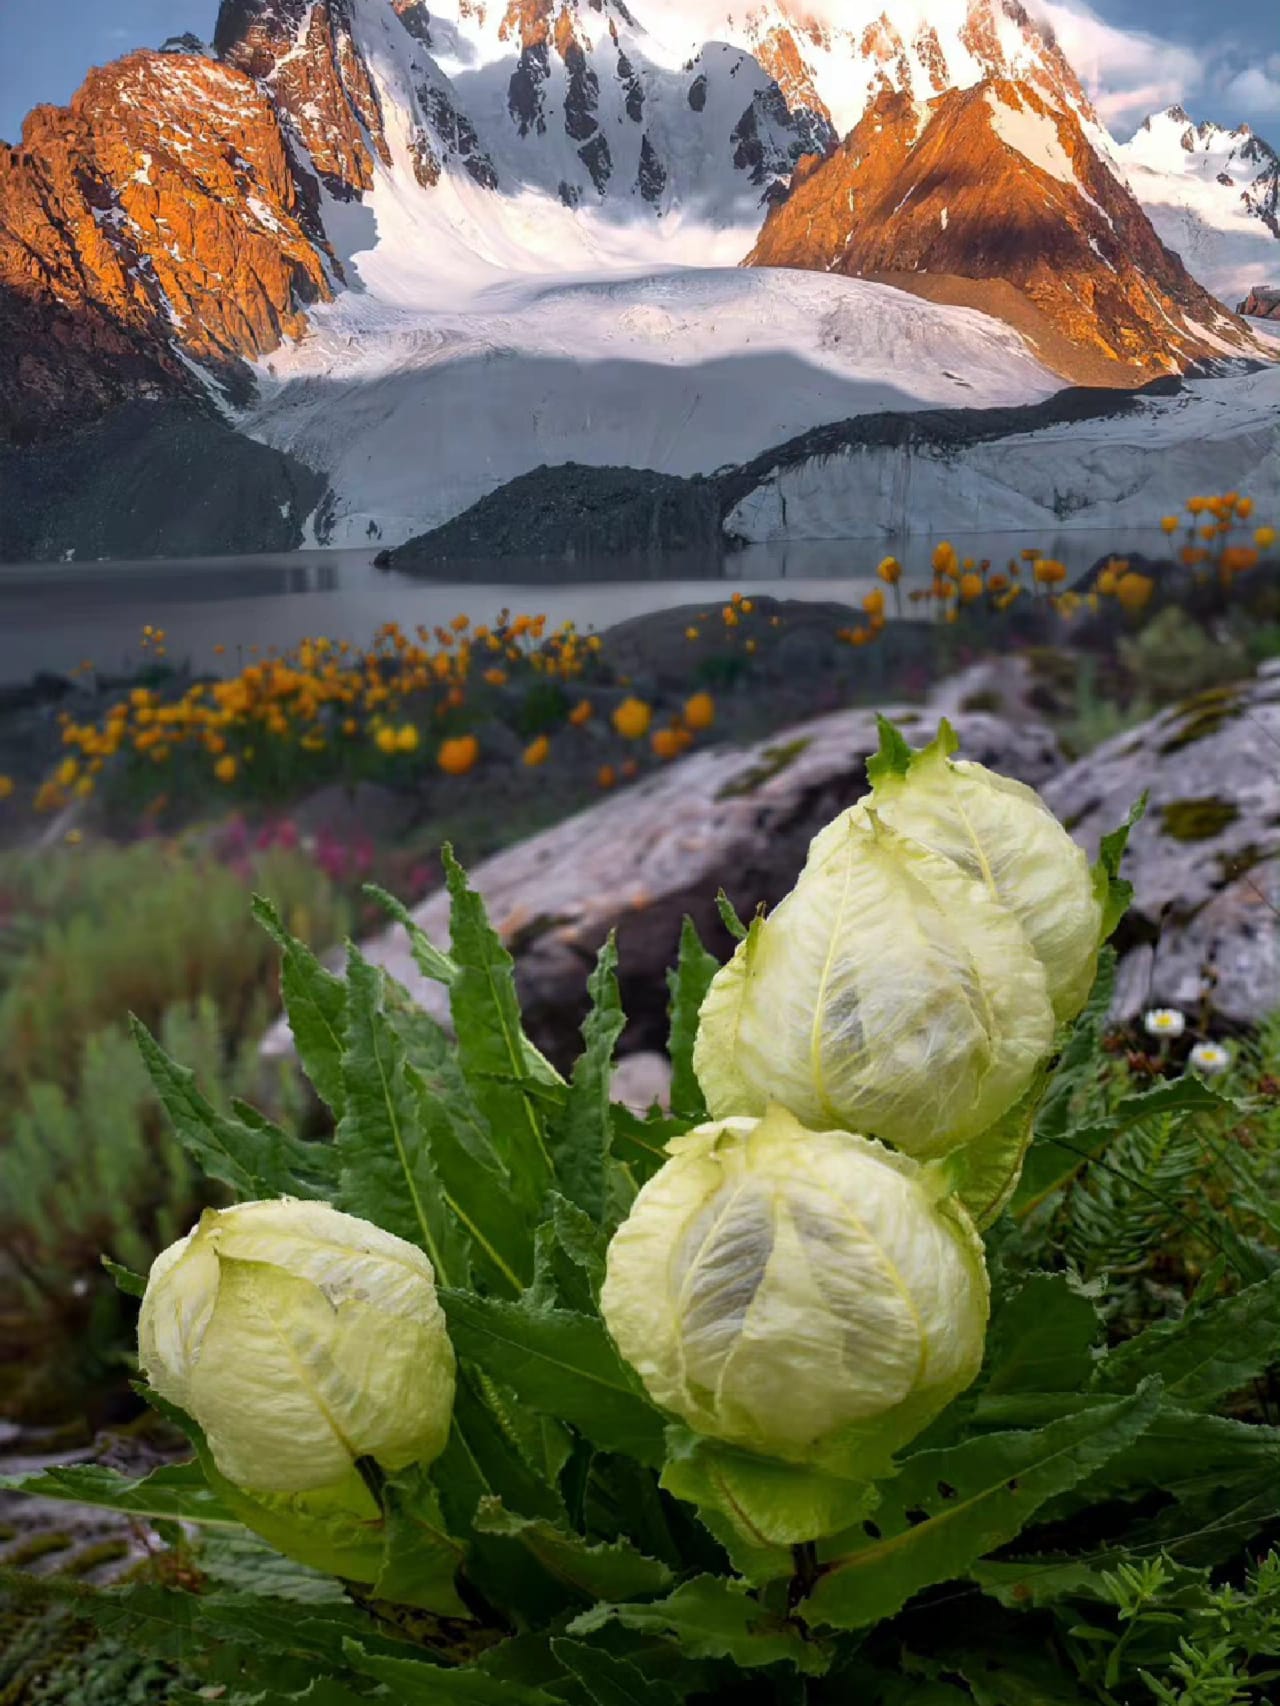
[[1199, 819]]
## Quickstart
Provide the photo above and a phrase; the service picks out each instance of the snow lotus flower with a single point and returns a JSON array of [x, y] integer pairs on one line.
[[891, 992], [300, 1339], [911, 983], [1001, 833], [810, 1296]]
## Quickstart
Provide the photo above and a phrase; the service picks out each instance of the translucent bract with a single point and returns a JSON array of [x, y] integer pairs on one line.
[[805, 1295], [1000, 833], [890, 992], [300, 1339]]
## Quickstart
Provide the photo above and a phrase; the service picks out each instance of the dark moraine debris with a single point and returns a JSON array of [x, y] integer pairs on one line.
[[574, 511]]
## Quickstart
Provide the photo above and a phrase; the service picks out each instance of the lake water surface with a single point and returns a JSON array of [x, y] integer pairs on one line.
[[54, 616]]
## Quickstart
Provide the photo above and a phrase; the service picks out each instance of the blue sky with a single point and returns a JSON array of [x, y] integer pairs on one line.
[[1221, 61]]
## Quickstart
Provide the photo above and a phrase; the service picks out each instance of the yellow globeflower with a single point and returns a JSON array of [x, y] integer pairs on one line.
[[970, 587], [1133, 591], [66, 772], [6, 787], [537, 752], [1170, 524], [889, 570], [1264, 537], [699, 711], [407, 739], [386, 740], [458, 755], [873, 603], [632, 718], [225, 768], [581, 713]]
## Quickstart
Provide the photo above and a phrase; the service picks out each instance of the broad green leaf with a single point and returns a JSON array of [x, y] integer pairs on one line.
[[1209, 1354], [131, 1284], [560, 1363], [326, 1537], [612, 1570], [255, 1161], [687, 985], [640, 1142], [759, 1507], [389, 1174], [177, 1492], [579, 1133], [424, 1683], [420, 1561], [430, 961], [315, 1003], [948, 1508], [1186, 1453], [611, 1681], [713, 1618], [483, 1460], [236, 1560], [1042, 1338], [583, 1242]]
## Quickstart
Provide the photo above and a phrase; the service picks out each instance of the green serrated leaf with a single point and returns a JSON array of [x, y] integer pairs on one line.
[[315, 1002], [389, 1173], [561, 1364], [1204, 1357], [177, 1492], [639, 1142], [611, 1681], [894, 756], [131, 1284], [602, 1570], [729, 916], [579, 1134], [1042, 1339], [687, 985], [420, 1682], [429, 959], [948, 1508], [1113, 893], [512, 1082], [420, 1560], [255, 1161], [712, 1618]]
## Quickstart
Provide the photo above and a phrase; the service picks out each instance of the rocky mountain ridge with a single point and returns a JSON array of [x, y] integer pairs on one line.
[[225, 226]]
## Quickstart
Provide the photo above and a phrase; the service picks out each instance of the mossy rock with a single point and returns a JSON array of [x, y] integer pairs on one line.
[[774, 760], [1198, 820]]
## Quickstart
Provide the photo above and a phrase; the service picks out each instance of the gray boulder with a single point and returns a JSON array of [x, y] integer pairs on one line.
[[740, 818], [1203, 861]]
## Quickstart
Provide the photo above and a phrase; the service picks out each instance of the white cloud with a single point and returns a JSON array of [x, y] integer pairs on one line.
[[1257, 88], [1127, 73]]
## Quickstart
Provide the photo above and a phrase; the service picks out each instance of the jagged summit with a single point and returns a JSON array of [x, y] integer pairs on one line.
[[190, 210]]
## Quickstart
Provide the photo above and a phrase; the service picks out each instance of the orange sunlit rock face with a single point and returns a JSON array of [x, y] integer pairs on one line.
[[156, 218], [994, 182]]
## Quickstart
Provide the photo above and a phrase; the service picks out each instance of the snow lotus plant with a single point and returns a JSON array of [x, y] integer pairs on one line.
[[912, 983], [506, 1393]]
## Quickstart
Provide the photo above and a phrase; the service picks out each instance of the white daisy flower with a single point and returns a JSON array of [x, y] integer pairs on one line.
[[1209, 1058], [1164, 1022]]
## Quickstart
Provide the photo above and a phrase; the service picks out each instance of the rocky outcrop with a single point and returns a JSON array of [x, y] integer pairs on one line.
[[995, 183], [305, 54], [158, 478], [153, 223], [1262, 302], [574, 512], [737, 818], [1204, 861]]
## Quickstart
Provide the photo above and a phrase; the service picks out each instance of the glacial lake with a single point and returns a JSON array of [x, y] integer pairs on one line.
[[54, 616]]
